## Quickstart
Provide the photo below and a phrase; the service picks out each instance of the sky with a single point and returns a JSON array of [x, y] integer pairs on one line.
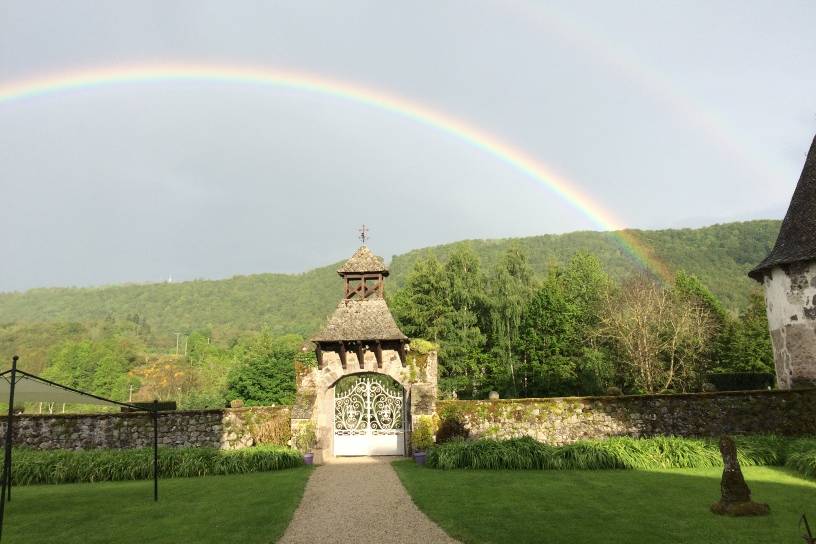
[[662, 114]]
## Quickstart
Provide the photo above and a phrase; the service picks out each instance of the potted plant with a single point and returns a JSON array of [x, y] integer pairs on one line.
[[305, 441], [422, 438]]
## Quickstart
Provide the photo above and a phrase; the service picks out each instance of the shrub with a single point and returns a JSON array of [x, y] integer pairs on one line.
[[741, 381], [613, 453], [450, 428], [305, 437], [67, 466], [422, 436], [275, 430]]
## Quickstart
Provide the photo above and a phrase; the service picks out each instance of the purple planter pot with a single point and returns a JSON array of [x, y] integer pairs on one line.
[[419, 457], [308, 458]]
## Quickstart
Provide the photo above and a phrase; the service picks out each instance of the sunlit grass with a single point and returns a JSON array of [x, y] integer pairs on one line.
[[610, 506], [245, 508]]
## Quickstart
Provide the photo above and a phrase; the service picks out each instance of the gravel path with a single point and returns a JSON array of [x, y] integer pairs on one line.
[[359, 499]]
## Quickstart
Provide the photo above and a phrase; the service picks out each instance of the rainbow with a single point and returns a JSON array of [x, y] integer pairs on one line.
[[626, 65], [534, 170]]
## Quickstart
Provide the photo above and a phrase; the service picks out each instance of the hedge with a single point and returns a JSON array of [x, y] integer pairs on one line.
[[66, 466], [741, 381]]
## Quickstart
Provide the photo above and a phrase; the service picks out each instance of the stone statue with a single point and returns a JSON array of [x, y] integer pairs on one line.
[[736, 497]]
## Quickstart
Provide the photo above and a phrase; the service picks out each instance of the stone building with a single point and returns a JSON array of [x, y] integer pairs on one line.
[[367, 386], [788, 275]]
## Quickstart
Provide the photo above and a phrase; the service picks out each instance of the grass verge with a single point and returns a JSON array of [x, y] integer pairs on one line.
[[610, 506], [245, 508]]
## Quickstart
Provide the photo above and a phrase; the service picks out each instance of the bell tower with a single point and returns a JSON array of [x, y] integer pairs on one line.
[[362, 322], [364, 274]]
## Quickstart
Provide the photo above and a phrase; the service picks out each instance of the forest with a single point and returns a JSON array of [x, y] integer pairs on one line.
[[539, 316]]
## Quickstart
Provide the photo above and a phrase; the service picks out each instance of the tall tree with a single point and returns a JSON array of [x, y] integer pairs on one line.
[[421, 306], [509, 289], [563, 356]]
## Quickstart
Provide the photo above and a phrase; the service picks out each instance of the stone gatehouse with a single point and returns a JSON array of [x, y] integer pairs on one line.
[[368, 387]]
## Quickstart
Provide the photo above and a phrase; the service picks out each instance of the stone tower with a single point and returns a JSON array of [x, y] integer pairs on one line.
[[788, 275]]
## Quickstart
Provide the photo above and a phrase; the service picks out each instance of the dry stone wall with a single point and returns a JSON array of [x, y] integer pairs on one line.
[[225, 429], [566, 420]]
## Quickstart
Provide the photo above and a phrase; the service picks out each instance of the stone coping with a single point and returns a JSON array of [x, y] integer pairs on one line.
[[142, 413], [712, 394]]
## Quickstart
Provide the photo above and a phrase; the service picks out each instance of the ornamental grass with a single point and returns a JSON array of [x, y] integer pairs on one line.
[[66, 466], [618, 453]]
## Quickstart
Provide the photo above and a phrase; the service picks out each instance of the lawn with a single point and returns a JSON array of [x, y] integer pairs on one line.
[[609, 506], [246, 508]]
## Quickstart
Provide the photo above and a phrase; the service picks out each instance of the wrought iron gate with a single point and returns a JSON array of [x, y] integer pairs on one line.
[[369, 419]]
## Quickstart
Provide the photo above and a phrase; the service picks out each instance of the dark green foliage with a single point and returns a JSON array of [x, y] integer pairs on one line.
[[744, 344], [451, 428], [561, 355], [66, 466], [741, 381], [613, 453]]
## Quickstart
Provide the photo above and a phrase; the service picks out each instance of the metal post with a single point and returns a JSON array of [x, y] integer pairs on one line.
[[155, 450], [7, 458]]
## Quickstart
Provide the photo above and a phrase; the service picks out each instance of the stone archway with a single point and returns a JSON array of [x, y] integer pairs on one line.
[[370, 416], [315, 398]]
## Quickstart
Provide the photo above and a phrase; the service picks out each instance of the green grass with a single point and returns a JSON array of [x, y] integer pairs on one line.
[[245, 508], [609, 506]]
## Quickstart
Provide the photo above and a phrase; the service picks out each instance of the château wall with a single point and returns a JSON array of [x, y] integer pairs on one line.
[[566, 420], [790, 296], [225, 429]]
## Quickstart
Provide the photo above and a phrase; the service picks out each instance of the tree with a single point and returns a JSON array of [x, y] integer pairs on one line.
[[660, 334], [420, 307], [745, 344], [97, 367], [265, 373], [509, 290], [563, 356]]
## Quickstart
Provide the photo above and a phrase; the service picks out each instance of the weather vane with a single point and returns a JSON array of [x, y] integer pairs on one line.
[[363, 234]]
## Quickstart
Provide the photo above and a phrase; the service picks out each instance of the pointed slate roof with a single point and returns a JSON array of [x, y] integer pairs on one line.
[[363, 261], [360, 320], [797, 237]]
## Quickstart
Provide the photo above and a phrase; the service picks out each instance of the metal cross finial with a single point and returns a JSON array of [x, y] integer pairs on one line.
[[363, 234]]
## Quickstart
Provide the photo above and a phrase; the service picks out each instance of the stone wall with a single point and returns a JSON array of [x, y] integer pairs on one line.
[[565, 420], [790, 297], [226, 429]]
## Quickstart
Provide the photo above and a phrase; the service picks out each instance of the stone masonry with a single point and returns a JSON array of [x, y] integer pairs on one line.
[[224, 429], [566, 420], [790, 295]]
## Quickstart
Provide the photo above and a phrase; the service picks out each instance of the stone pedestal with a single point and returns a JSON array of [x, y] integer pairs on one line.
[[735, 499]]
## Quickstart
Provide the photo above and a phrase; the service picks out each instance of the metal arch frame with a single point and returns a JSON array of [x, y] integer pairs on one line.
[[11, 377]]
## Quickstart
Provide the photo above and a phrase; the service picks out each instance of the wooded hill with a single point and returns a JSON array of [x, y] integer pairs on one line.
[[719, 255]]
